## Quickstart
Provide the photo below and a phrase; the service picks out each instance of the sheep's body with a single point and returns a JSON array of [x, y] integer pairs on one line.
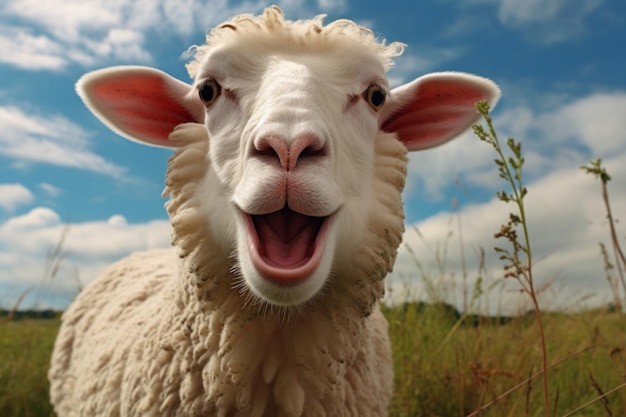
[[286, 212], [160, 335], [147, 355]]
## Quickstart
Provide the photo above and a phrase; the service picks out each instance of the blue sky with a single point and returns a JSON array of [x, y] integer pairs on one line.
[[560, 63]]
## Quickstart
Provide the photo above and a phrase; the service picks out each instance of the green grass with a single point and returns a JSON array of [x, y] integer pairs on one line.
[[25, 348], [438, 373], [442, 374]]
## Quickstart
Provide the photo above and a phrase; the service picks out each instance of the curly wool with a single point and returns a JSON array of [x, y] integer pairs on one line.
[[270, 29], [172, 338]]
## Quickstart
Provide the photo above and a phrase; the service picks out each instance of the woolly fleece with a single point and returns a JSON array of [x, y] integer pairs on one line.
[[163, 333]]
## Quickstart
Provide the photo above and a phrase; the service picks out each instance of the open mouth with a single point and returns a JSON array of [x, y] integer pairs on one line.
[[285, 246]]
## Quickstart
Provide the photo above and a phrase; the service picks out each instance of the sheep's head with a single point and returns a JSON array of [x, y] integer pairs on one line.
[[292, 111]]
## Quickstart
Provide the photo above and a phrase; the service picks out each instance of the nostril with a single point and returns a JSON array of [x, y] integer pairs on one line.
[[273, 146], [305, 146], [311, 152]]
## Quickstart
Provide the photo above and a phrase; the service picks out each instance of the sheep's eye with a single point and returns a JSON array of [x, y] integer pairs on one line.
[[375, 96], [209, 91]]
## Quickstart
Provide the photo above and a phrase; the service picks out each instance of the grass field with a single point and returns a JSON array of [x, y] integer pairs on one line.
[[441, 369], [25, 348]]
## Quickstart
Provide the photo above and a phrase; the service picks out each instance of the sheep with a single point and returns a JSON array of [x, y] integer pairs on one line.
[[289, 159]]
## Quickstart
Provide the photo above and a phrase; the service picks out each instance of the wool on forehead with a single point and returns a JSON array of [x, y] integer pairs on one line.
[[271, 31]]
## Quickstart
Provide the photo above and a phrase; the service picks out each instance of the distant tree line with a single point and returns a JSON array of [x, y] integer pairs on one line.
[[29, 314]]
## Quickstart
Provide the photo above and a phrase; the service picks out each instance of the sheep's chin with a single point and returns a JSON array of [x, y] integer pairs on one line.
[[286, 267]]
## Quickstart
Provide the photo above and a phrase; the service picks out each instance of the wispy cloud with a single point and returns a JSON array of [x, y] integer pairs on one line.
[[50, 35], [543, 21], [50, 139], [529, 12], [50, 189], [22, 49], [549, 21]]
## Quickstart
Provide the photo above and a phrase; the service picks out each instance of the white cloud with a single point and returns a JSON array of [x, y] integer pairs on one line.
[[546, 21], [26, 240], [565, 208], [567, 220], [566, 136], [120, 44], [50, 139], [24, 50], [66, 20], [75, 31], [50, 34], [599, 121], [432, 170], [36, 218], [13, 196], [117, 220]]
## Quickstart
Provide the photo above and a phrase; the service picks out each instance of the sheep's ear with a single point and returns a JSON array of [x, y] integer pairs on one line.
[[140, 103], [435, 108]]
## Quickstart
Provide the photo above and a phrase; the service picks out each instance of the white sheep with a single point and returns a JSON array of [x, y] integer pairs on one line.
[[285, 204]]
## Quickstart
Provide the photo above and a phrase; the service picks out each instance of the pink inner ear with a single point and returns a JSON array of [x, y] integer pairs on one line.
[[141, 104], [437, 110]]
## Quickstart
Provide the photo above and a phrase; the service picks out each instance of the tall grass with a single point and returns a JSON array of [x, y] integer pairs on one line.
[[484, 359], [595, 167]]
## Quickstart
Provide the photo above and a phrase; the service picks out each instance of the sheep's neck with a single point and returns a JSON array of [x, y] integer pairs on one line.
[[262, 365]]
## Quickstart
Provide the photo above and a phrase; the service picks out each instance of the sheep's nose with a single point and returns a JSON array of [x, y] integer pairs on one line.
[[289, 153]]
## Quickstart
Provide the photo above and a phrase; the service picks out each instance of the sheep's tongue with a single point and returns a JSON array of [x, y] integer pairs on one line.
[[287, 238]]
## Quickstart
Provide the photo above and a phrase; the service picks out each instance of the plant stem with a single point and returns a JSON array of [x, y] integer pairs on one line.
[[595, 167], [587, 404], [616, 246], [510, 170]]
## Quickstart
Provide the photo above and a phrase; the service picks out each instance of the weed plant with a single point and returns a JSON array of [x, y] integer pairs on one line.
[[519, 257], [595, 167]]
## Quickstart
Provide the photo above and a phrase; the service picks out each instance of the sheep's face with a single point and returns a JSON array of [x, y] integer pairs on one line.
[[292, 148], [293, 113]]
